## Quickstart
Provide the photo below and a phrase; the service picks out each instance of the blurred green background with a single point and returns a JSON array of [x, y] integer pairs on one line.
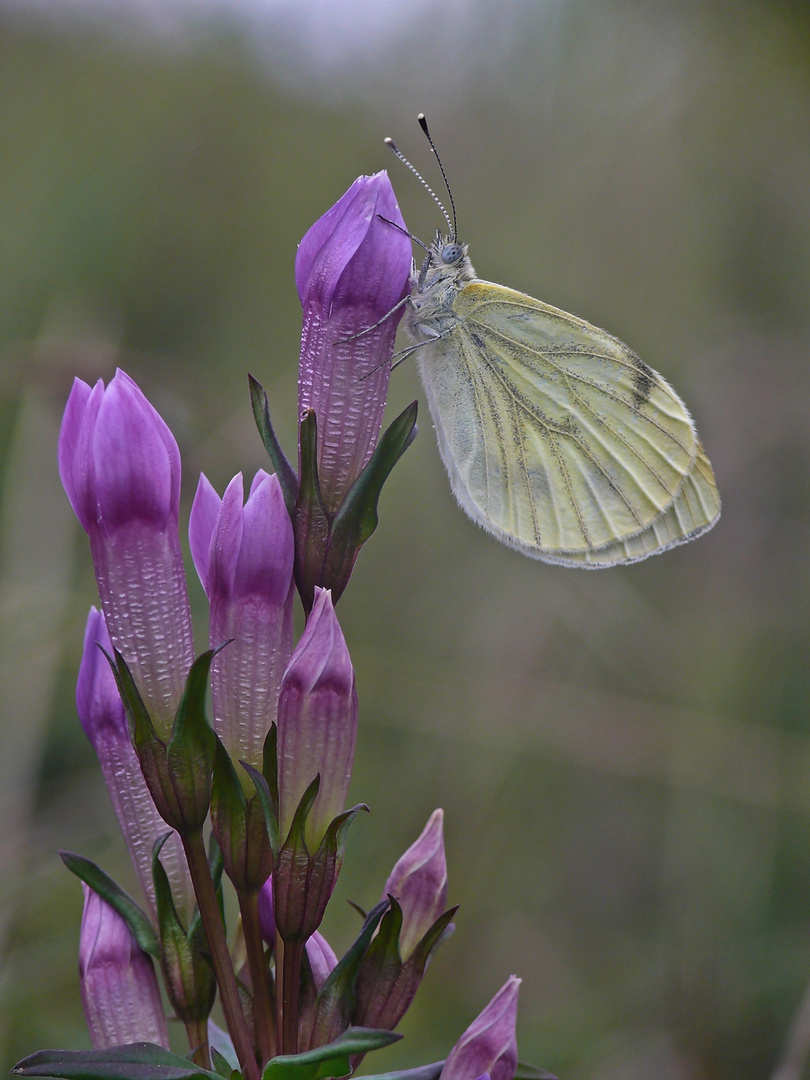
[[623, 757]]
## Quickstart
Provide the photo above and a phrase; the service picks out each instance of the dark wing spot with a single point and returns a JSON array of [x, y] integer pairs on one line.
[[643, 382]]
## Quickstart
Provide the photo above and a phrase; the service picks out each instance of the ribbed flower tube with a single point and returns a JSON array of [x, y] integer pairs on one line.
[[104, 721], [244, 557], [351, 270], [119, 987], [120, 467], [317, 722]]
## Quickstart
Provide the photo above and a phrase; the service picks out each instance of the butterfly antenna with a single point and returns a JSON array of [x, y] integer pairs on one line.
[[423, 125], [390, 144]]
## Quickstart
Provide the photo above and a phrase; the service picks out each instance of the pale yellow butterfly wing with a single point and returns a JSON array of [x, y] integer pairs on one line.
[[556, 437], [693, 511]]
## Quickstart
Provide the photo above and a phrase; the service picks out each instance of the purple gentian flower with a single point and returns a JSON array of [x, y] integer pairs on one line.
[[120, 467], [351, 270], [118, 984], [489, 1044], [419, 883], [244, 556], [317, 722], [103, 718]]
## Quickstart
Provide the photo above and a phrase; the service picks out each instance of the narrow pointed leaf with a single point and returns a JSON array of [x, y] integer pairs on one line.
[[222, 1067], [283, 469], [270, 764], [532, 1072], [141, 727], [138, 1061], [129, 910], [266, 800], [311, 522], [191, 749], [356, 518], [422, 1072], [334, 1059]]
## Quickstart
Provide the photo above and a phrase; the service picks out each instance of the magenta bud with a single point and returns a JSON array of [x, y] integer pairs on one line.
[[119, 988], [120, 467], [244, 556], [489, 1044], [351, 270], [419, 883], [317, 723], [103, 718]]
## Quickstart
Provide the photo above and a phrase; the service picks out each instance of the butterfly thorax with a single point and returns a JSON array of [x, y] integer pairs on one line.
[[444, 272]]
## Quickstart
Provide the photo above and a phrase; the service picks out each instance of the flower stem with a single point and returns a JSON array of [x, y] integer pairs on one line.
[[289, 956], [220, 957], [197, 1032], [262, 1007]]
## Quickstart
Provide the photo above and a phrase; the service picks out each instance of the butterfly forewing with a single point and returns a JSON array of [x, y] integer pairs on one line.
[[556, 436]]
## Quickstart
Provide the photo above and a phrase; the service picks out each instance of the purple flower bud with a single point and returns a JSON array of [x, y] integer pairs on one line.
[[489, 1044], [352, 269], [103, 718], [317, 722], [244, 556], [118, 984], [120, 467], [419, 883], [321, 956]]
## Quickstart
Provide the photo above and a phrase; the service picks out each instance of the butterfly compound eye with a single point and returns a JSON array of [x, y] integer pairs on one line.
[[451, 253]]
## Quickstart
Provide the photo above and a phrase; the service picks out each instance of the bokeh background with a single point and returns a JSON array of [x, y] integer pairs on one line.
[[623, 757]]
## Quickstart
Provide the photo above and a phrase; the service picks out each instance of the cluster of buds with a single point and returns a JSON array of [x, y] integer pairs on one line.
[[270, 772]]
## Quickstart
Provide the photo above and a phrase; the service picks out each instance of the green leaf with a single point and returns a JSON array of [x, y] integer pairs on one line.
[[422, 1072], [221, 1065], [336, 996], [269, 809], [141, 727], [356, 518], [191, 749], [532, 1072], [270, 764], [334, 1059], [133, 915], [284, 470], [138, 1061], [311, 522]]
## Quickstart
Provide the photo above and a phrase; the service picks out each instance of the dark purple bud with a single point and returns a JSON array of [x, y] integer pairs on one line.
[[351, 270]]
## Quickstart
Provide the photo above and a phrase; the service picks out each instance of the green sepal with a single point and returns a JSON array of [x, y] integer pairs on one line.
[[191, 749], [149, 747], [356, 518], [335, 999], [311, 521], [239, 826], [334, 1059], [130, 911], [137, 1061], [532, 1072], [270, 765], [269, 809], [421, 1072], [187, 972], [283, 469], [222, 1066], [432, 938]]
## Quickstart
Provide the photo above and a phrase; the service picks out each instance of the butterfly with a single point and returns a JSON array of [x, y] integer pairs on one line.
[[557, 439]]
